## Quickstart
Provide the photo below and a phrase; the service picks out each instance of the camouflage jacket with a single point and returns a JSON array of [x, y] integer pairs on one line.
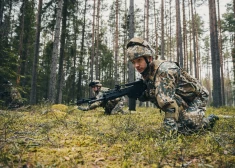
[[169, 85], [108, 106]]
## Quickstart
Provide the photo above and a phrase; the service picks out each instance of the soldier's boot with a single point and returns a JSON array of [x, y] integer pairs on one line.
[[187, 127], [212, 119], [209, 122], [170, 125]]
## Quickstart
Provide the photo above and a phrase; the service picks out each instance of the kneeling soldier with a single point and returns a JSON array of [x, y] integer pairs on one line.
[[170, 88], [111, 107]]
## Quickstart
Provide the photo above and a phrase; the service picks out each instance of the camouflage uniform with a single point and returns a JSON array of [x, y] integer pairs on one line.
[[173, 90], [111, 107], [16, 98], [9, 95], [181, 97]]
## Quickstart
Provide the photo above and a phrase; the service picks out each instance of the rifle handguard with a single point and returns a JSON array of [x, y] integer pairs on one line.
[[132, 90]]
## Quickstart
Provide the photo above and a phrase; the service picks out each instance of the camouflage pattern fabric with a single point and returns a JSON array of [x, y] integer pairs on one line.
[[180, 96], [10, 97], [16, 98], [115, 106], [110, 107], [138, 47], [138, 51]]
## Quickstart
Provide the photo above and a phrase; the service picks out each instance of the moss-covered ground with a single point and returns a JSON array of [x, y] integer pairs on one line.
[[62, 136]]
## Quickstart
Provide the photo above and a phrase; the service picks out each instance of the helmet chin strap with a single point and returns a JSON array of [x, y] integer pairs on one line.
[[144, 73]]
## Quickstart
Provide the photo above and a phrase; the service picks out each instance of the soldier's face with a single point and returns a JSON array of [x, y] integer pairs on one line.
[[140, 63], [96, 88]]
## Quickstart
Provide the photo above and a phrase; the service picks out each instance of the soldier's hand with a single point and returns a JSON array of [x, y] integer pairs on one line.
[[83, 108], [143, 97]]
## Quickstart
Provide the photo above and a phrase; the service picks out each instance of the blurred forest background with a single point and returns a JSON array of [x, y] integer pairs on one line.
[[51, 49]]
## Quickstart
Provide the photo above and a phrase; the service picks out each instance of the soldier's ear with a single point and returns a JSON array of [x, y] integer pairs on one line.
[[150, 59]]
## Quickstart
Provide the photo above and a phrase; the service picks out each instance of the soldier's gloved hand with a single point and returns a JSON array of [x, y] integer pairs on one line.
[[143, 97], [83, 108]]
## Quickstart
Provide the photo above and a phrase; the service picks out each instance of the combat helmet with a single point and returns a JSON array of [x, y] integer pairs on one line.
[[95, 83], [138, 47]]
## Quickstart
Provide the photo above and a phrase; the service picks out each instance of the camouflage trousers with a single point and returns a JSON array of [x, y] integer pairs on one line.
[[115, 106]]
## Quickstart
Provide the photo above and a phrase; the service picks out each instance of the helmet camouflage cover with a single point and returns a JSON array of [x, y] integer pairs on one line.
[[138, 47], [95, 83]]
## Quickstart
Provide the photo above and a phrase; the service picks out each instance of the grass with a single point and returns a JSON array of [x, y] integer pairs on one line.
[[62, 136]]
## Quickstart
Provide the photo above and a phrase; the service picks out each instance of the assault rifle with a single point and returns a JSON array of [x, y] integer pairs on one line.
[[133, 90], [82, 101]]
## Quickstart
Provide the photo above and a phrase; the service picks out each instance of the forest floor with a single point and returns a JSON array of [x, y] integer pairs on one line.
[[62, 136]]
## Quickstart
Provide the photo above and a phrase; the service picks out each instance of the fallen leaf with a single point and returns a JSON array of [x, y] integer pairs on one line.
[[99, 159]]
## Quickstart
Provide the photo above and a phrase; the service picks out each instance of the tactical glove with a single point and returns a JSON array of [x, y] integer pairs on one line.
[[83, 108], [144, 96]]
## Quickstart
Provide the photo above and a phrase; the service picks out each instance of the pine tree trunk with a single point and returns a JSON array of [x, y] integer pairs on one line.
[[221, 56], [124, 48], [170, 45], [53, 69], [19, 68], [233, 50], [131, 72], [147, 20], [93, 47], [190, 42], [33, 93], [155, 29], [97, 71], [162, 29], [147, 30], [61, 59], [215, 55], [184, 36], [116, 45], [194, 41], [79, 84], [233, 60], [179, 36], [1, 13]]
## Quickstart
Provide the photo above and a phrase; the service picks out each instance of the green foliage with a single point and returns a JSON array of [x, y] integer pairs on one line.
[[8, 63], [62, 136], [228, 22]]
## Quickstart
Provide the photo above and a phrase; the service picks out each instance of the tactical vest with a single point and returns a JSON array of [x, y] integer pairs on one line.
[[188, 88]]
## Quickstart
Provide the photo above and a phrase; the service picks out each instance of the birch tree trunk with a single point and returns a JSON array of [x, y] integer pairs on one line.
[[53, 67], [33, 93]]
